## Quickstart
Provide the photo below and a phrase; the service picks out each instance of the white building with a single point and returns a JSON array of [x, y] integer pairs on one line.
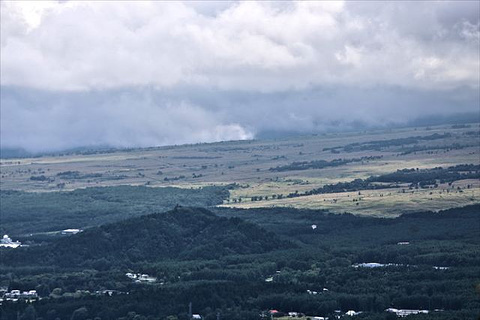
[[15, 295], [8, 243], [141, 278], [71, 231], [405, 312], [146, 278]]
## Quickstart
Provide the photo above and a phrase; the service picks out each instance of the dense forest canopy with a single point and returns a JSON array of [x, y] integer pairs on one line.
[[234, 268], [27, 212]]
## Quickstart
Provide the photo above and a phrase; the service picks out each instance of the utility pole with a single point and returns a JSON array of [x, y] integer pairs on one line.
[[190, 316]]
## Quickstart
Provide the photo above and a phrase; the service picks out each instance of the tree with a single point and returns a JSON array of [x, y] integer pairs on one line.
[[80, 314], [29, 313]]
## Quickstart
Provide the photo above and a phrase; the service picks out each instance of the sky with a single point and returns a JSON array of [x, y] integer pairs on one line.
[[139, 74]]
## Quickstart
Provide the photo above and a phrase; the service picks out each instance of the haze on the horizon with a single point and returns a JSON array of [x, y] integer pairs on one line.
[[136, 74]]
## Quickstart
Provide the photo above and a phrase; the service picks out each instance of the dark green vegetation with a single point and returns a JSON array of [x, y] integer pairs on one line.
[[321, 164], [182, 233], [241, 263], [443, 175], [71, 175], [232, 280], [29, 212], [424, 178], [378, 145]]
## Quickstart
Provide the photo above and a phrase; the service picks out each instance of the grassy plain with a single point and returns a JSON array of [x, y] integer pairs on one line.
[[248, 163], [380, 202]]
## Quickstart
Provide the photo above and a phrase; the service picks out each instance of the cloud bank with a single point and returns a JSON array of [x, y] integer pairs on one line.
[[155, 73]]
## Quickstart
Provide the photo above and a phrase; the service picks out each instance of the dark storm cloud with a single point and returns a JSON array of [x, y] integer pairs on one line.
[[153, 73], [41, 120]]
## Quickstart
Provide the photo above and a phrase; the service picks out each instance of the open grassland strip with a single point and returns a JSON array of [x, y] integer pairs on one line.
[[390, 202]]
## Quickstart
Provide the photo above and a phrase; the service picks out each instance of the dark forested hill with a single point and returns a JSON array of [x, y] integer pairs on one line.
[[228, 263], [182, 233], [460, 224]]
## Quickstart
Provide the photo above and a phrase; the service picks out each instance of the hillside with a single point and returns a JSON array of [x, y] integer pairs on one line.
[[32, 212], [424, 260], [182, 233]]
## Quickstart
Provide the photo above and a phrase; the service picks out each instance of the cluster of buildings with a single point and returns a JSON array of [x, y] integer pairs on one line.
[[381, 265], [376, 265], [141, 278], [16, 295], [7, 242], [338, 314], [352, 313], [316, 292], [440, 268], [405, 312]]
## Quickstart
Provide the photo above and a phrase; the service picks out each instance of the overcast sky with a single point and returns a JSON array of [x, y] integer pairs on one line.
[[153, 73]]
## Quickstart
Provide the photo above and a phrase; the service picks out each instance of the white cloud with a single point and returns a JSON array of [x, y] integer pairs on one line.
[[89, 45]]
